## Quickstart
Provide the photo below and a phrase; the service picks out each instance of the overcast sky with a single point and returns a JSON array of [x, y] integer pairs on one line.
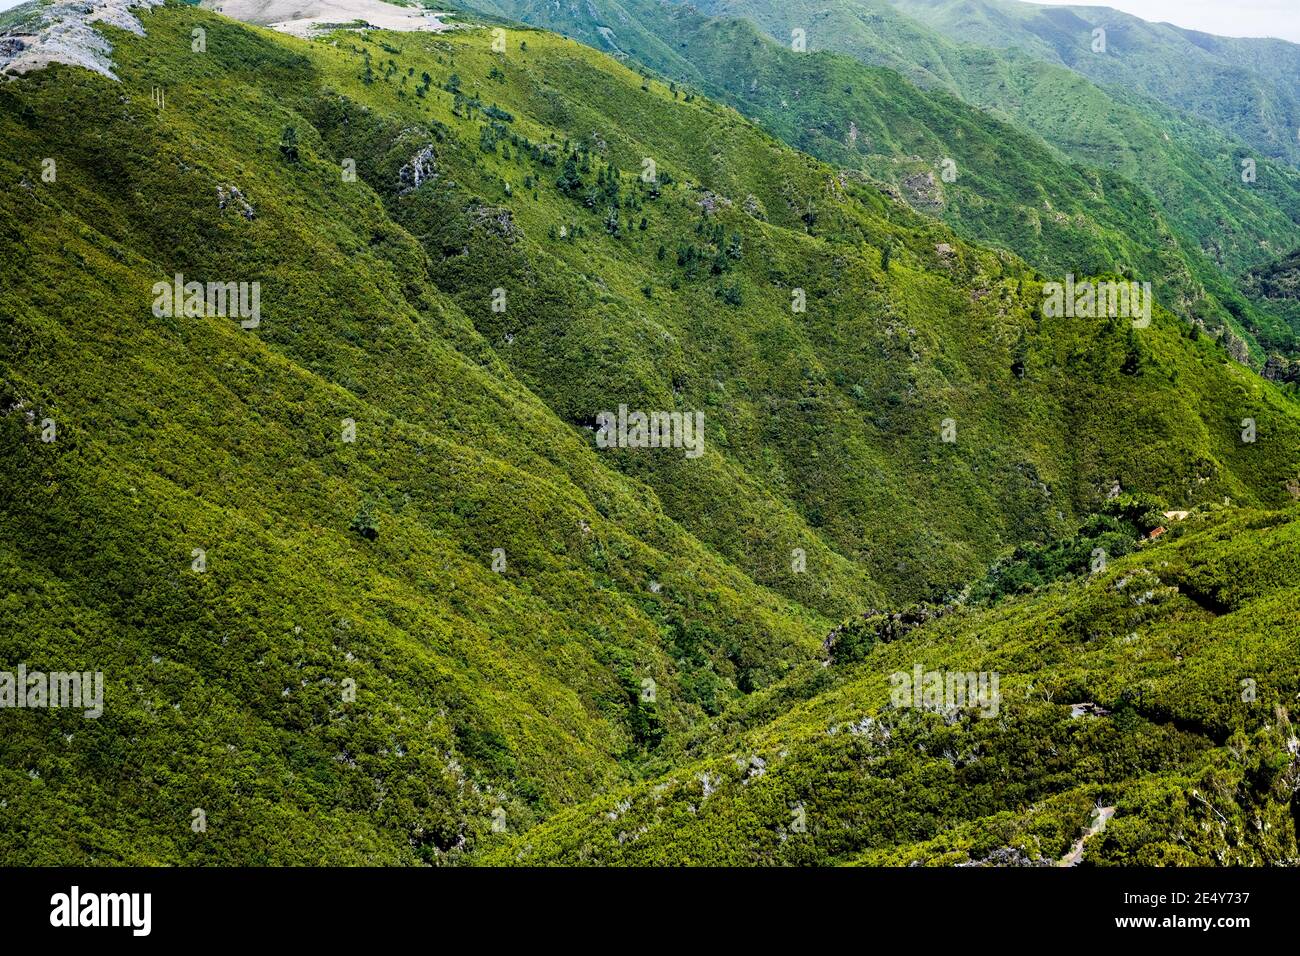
[[1229, 18]]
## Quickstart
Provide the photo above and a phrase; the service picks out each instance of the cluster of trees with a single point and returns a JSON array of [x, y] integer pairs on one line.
[[1112, 532]]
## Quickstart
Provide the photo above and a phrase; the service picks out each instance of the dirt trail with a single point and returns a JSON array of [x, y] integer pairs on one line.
[[1100, 817]]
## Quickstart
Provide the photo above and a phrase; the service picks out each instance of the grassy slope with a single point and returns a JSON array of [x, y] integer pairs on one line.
[[1200, 767], [477, 689], [878, 390]]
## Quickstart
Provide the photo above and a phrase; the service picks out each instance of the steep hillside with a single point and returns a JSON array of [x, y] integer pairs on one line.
[[1142, 715], [1192, 168], [321, 561], [876, 358], [1275, 288], [1245, 87], [362, 582], [1002, 187]]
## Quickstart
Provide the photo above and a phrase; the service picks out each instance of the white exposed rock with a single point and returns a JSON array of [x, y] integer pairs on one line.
[[226, 196], [64, 32], [1088, 709], [708, 784], [422, 167]]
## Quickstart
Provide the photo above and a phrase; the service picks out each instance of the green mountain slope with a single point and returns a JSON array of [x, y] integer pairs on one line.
[[1151, 703], [473, 688], [1245, 87], [491, 687], [1192, 168], [1004, 187]]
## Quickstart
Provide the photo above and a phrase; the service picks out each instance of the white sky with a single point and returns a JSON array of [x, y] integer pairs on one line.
[[1227, 18]]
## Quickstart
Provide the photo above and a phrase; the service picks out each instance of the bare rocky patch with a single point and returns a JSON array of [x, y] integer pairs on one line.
[[65, 32]]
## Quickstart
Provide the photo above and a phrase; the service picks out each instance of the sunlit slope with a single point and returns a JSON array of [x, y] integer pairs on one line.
[[1243, 85], [1184, 655], [225, 688], [838, 408], [989, 181]]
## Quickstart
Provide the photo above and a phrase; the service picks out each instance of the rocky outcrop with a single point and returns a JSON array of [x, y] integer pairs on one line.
[[422, 168], [64, 32], [923, 192], [1279, 369], [230, 195], [1007, 856], [710, 201], [1237, 348], [754, 207], [495, 220]]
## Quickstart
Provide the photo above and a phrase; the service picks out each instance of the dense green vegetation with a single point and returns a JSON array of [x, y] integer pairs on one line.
[[1245, 87], [1189, 166], [1184, 650], [1004, 187], [1121, 524], [382, 645]]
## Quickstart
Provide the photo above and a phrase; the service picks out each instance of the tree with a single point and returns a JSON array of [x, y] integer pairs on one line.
[[289, 144], [1143, 511], [570, 182], [809, 216], [1134, 354], [365, 523]]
